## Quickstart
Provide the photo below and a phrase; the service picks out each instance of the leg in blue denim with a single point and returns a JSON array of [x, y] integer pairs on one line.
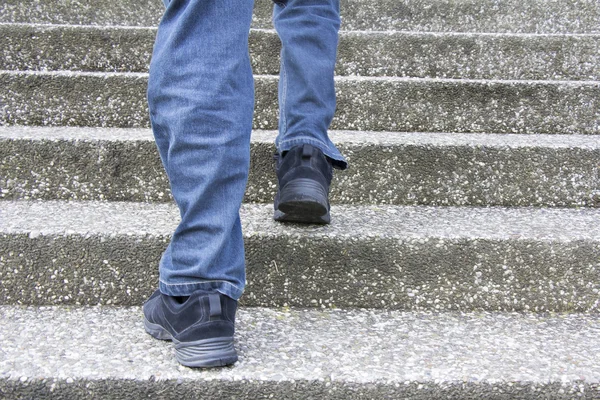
[[308, 30], [201, 98]]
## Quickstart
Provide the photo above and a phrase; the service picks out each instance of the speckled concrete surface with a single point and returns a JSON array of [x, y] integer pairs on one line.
[[414, 54], [78, 48], [386, 168], [410, 258], [420, 259], [326, 354], [539, 16], [383, 103], [469, 56]]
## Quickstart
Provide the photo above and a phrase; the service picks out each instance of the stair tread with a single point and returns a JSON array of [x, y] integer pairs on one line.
[[67, 218], [392, 53], [403, 168], [360, 346], [373, 103], [408, 258], [554, 141], [137, 75]]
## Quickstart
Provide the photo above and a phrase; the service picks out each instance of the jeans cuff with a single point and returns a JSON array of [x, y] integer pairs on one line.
[[329, 150], [186, 289]]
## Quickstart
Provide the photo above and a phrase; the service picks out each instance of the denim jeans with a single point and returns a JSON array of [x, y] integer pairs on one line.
[[201, 100]]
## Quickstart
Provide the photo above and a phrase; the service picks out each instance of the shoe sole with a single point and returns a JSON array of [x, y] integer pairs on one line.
[[205, 353], [303, 200]]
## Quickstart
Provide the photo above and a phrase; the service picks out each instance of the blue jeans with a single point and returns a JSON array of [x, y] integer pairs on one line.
[[201, 100]]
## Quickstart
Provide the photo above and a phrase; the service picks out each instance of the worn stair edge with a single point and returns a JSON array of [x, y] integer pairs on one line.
[[409, 258], [120, 164], [373, 103], [305, 354], [537, 16], [410, 54]]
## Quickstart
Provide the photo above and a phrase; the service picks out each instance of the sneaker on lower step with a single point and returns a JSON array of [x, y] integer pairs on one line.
[[304, 174], [201, 326]]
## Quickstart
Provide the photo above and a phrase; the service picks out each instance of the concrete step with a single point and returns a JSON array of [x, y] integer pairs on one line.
[[408, 258], [378, 104], [385, 168], [422, 55], [535, 16], [293, 354]]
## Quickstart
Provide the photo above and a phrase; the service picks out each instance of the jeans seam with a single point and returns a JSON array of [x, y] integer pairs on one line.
[[284, 95]]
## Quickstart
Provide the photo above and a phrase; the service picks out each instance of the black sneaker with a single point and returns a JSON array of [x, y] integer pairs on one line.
[[304, 174], [201, 326]]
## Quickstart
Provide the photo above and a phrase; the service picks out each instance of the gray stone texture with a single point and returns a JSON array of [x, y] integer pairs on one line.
[[441, 285], [410, 54], [302, 354], [469, 56], [406, 258], [385, 168], [535, 16], [378, 104]]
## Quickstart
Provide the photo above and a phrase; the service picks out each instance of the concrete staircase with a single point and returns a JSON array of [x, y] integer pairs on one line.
[[464, 256]]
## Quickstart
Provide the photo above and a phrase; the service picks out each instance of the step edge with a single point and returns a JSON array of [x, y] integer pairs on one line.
[[342, 137], [371, 222]]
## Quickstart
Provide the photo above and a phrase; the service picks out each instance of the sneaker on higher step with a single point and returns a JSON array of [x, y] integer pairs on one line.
[[304, 174]]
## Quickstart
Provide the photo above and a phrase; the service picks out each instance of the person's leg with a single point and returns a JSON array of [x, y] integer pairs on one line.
[[308, 30], [201, 99]]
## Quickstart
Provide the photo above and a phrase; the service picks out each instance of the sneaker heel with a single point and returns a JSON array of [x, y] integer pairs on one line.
[[303, 200], [206, 353]]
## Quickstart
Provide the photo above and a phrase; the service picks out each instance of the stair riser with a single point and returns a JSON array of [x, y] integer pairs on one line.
[[410, 15], [228, 389], [403, 174], [404, 274], [363, 104], [28, 47]]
